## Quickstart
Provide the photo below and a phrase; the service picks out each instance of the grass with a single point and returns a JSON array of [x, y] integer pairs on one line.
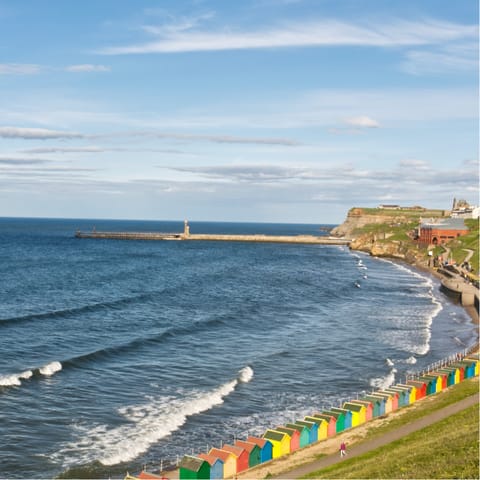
[[446, 449], [470, 242], [402, 211]]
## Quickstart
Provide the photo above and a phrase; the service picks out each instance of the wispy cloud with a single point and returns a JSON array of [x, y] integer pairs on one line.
[[36, 133], [19, 69], [22, 161], [453, 58], [362, 122], [307, 34], [87, 67]]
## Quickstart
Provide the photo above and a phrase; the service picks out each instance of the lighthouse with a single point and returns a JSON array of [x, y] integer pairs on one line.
[[186, 229]]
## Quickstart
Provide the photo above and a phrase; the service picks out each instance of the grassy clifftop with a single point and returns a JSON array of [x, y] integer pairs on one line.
[[391, 233]]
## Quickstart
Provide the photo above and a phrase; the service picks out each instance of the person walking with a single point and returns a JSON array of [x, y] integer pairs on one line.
[[343, 449]]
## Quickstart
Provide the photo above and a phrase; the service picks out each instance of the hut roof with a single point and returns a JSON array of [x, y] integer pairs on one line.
[[274, 435], [353, 406], [248, 446], [221, 454], [191, 463], [237, 451], [306, 423], [288, 431], [211, 459], [258, 441], [296, 426]]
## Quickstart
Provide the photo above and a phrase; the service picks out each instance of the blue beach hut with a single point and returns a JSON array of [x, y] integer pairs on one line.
[[265, 448], [216, 465]]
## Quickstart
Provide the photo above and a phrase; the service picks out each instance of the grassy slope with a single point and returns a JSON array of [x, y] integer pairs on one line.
[[447, 449]]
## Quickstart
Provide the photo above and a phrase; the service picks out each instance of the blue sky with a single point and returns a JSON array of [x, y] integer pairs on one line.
[[252, 110]]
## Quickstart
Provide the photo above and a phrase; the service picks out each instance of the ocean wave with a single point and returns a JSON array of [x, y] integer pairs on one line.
[[74, 311], [15, 379], [145, 425], [384, 382]]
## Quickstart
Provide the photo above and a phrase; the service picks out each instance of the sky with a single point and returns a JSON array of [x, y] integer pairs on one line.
[[256, 110]]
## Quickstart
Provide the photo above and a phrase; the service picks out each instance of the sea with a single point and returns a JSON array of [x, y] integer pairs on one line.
[[120, 355]]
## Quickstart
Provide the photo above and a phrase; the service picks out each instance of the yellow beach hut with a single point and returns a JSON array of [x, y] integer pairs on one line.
[[412, 389], [229, 461], [322, 432], [359, 413], [280, 442]]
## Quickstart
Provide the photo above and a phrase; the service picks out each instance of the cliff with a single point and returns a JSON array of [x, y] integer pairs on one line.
[[382, 233]]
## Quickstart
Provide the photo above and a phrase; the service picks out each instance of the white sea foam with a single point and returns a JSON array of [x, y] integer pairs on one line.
[[389, 362], [384, 382], [10, 381], [147, 424], [51, 368], [14, 380], [411, 360]]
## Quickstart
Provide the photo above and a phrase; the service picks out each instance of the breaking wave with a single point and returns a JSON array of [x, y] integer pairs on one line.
[[144, 425], [15, 379]]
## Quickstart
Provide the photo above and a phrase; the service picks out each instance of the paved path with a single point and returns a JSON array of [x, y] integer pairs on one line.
[[389, 437]]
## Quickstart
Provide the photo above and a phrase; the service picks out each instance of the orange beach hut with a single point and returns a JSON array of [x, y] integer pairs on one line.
[[421, 388], [241, 455]]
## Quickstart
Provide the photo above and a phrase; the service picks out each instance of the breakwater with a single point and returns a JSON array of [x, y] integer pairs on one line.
[[258, 238]]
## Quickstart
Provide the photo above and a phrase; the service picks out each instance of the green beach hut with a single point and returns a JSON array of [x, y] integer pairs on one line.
[[403, 395], [347, 416], [216, 465], [340, 424], [194, 467], [304, 433], [253, 452], [382, 400], [431, 384], [265, 446], [378, 405], [452, 375]]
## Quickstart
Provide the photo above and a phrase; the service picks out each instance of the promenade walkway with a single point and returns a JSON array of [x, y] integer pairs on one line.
[[369, 445]]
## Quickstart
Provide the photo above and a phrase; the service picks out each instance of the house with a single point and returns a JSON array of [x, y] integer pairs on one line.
[[241, 455], [253, 452], [228, 459], [280, 442], [216, 465]]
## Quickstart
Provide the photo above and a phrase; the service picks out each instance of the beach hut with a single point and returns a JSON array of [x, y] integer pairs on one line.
[[384, 407], [403, 395], [331, 423], [436, 382], [280, 442], [194, 467], [241, 455], [359, 413], [304, 433], [389, 400], [431, 384], [441, 379], [368, 408], [322, 426], [469, 368], [340, 423], [421, 388], [294, 436], [216, 465], [412, 389], [475, 360], [312, 429], [378, 405], [253, 452], [452, 375], [347, 414], [265, 446], [228, 459], [393, 395]]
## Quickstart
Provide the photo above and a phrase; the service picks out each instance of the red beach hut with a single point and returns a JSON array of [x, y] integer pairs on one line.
[[421, 388], [253, 452]]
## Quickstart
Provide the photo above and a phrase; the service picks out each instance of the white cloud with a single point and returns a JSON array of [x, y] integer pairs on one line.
[[306, 34], [87, 68], [19, 69], [362, 122], [35, 133]]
